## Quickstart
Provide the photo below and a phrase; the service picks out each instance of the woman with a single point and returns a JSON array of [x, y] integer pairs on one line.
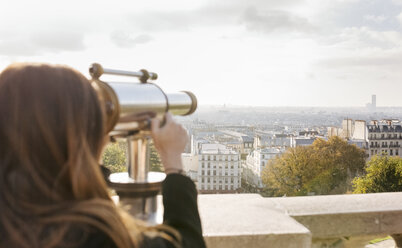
[[52, 191]]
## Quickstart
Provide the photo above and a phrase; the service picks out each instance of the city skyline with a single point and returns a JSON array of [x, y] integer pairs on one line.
[[311, 53]]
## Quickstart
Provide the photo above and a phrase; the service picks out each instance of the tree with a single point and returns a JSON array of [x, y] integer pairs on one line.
[[155, 163], [114, 157], [383, 174], [325, 167]]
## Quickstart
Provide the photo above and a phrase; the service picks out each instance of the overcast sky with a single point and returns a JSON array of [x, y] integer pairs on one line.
[[234, 52]]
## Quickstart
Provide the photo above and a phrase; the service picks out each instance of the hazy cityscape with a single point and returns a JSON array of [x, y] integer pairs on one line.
[[231, 145]]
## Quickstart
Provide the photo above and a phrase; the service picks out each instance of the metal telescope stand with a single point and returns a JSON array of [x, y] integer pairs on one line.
[[138, 188]]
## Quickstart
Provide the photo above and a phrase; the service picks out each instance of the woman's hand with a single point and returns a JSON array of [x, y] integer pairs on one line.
[[170, 141]]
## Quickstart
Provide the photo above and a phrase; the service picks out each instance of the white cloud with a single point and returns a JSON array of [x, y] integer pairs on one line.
[[124, 40], [374, 18], [42, 42], [275, 20], [364, 48], [393, 59], [398, 2], [399, 17]]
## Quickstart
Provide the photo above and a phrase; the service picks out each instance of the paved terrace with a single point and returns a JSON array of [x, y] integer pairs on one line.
[[249, 220]]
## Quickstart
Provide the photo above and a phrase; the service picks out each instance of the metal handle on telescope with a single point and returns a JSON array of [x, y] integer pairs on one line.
[[96, 71]]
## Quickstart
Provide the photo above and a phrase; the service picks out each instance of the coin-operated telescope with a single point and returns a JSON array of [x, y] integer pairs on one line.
[[137, 188]]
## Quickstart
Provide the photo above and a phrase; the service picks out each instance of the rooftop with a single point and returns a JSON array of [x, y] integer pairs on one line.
[[215, 149]]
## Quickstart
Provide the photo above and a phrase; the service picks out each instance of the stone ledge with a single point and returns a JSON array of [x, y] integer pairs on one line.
[[346, 215], [337, 221], [316, 221], [240, 220]]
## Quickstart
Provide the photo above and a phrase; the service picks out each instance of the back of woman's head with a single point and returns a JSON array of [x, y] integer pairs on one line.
[[51, 137], [51, 133]]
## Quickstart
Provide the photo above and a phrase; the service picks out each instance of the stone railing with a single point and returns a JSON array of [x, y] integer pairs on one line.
[[249, 220]]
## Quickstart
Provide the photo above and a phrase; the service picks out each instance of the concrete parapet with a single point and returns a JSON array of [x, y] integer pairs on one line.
[[240, 220], [246, 220]]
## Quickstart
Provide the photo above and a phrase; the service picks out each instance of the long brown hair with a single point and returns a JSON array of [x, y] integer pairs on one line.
[[51, 138]]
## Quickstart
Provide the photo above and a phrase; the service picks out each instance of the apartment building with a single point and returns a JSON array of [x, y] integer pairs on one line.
[[256, 162], [219, 169], [384, 137]]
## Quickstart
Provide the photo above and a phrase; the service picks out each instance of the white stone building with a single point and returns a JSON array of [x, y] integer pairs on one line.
[[190, 165], [385, 137], [274, 140], [302, 141], [219, 169], [256, 162]]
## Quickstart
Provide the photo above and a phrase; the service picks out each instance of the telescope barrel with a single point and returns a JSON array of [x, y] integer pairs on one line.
[[129, 99], [136, 98]]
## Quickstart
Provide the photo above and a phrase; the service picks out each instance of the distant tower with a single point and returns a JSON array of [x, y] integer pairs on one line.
[[373, 101]]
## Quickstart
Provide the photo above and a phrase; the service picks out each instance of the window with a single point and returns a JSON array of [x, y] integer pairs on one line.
[[390, 152]]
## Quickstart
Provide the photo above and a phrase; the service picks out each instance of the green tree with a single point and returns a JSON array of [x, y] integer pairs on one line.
[[114, 157], [155, 163], [383, 174], [325, 167]]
